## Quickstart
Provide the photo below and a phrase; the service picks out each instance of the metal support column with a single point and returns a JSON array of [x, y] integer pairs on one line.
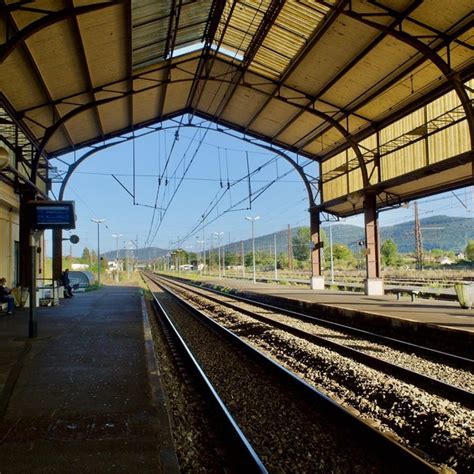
[[374, 282], [317, 279], [57, 254], [32, 324], [26, 195]]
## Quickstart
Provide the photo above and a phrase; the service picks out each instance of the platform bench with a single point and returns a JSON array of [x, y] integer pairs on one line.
[[413, 294]]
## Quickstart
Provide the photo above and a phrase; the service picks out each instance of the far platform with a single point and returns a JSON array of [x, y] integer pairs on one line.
[[433, 318], [80, 397]]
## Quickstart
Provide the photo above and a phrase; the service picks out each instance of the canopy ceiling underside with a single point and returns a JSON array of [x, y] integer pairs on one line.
[[286, 72]]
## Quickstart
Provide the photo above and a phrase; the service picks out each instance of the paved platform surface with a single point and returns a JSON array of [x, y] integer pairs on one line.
[[447, 314], [78, 398]]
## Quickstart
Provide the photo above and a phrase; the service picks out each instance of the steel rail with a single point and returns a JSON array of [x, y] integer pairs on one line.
[[407, 460], [243, 454], [459, 361], [448, 391]]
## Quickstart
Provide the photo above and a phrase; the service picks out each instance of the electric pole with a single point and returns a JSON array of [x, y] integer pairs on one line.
[[418, 240], [290, 249]]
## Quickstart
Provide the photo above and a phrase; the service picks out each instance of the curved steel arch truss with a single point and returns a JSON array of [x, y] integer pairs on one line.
[[310, 182]]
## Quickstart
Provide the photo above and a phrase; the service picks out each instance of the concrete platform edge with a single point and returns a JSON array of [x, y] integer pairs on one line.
[[388, 325], [168, 456]]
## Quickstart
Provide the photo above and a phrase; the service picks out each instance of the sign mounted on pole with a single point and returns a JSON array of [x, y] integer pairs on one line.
[[52, 215]]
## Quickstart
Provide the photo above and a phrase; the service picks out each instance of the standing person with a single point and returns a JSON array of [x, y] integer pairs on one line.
[[66, 284], [6, 296]]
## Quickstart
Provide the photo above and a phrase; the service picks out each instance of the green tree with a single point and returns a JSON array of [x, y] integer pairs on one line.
[[470, 250], [282, 260], [86, 256], [248, 259], [301, 242], [232, 259], [389, 252], [342, 252]]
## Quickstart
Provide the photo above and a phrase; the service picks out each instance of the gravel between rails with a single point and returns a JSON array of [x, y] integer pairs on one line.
[[442, 429], [289, 434], [195, 447], [432, 368]]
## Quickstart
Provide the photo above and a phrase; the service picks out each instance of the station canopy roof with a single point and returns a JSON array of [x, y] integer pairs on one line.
[[289, 72]]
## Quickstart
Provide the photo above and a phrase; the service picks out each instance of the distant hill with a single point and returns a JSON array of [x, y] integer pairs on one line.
[[141, 254], [439, 232]]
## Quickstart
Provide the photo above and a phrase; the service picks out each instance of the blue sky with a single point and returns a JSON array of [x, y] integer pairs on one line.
[[211, 164]]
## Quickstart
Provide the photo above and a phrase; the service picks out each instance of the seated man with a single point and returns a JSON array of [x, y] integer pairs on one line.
[[6, 296], [66, 284]]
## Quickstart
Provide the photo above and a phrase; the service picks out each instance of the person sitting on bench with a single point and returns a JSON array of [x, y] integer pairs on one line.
[[6, 296], [66, 284]]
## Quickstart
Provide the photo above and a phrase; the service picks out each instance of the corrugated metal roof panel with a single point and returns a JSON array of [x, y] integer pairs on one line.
[[159, 26]]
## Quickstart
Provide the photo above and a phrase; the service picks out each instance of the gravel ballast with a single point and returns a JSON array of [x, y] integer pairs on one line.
[[289, 434], [441, 429]]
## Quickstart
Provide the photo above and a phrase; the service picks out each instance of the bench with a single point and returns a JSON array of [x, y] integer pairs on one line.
[[399, 292], [413, 294]]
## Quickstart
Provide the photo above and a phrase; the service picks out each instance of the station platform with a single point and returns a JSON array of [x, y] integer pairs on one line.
[[85, 395], [438, 320]]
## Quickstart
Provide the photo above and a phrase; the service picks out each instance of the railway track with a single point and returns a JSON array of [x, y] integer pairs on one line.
[[237, 453], [366, 344], [291, 425]]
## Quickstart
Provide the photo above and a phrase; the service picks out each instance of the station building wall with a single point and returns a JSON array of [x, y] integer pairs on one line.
[[9, 234]]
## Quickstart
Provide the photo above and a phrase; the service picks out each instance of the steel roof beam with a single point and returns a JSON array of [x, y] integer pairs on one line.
[[37, 72], [265, 26], [21, 36], [307, 181], [85, 65], [315, 38], [51, 130], [169, 49], [215, 15], [450, 75]]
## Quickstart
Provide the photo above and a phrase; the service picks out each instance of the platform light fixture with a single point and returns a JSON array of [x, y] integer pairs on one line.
[[252, 220], [354, 198], [219, 235], [98, 222]]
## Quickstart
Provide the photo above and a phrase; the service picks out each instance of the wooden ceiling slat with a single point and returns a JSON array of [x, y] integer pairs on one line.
[[301, 50]]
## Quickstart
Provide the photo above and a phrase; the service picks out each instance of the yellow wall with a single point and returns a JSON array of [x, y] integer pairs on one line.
[[395, 160], [9, 231]]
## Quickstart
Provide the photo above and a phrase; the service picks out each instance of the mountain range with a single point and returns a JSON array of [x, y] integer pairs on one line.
[[438, 232]]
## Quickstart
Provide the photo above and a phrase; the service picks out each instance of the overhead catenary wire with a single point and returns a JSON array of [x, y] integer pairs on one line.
[[205, 215]]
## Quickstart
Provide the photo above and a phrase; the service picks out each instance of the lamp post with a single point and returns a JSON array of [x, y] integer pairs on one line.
[[219, 235], [98, 222], [332, 257], [203, 255], [275, 256], [117, 236], [252, 220]]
